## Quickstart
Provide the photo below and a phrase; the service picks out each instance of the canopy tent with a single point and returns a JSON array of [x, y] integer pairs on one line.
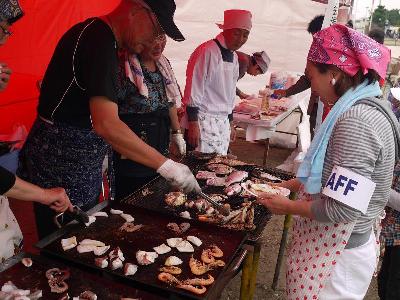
[[279, 28]]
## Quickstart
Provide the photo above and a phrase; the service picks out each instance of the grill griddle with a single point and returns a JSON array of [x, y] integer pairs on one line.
[[153, 234], [34, 278], [150, 194]]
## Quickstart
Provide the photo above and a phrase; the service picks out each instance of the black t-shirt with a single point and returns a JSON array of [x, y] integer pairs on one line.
[[84, 65], [7, 180]]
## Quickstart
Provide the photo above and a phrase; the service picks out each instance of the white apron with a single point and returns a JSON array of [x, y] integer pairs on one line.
[[215, 133], [215, 130], [313, 253], [10, 233]]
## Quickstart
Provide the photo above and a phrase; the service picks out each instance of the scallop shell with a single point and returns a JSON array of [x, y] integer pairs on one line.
[[172, 242], [173, 261], [194, 240], [116, 211], [185, 247], [69, 243], [128, 218], [162, 249]]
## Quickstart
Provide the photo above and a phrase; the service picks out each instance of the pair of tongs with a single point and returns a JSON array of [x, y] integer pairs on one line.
[[223, 210], [76, 214]]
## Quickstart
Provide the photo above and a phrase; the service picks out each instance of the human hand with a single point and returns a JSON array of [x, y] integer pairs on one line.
[[178, 140], [57, 199], [179, 175], [5, 74], [279, 93], [193, 134], [277, 204]]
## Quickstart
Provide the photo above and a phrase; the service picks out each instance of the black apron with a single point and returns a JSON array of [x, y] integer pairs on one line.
[[153, 128]]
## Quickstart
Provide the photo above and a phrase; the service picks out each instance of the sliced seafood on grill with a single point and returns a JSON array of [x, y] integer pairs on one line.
[[69, 243], [219, 169], [146, 258], [116, 253], [194, 240], [86, 295], [101, 262], [130, 269], [233, 189], [27, 262], [130, 227], [200, 281], [173, 261], [185, 214], [227, 160], [178, 229], [175, 198], [185, 247], [56, 280], [98, 251], [205, 174], [116, 263], [85, 248], [100, 214], [266, 188], [172, 242], [216, 181], [236, 176], [92, 219], [91, 242], [116, 211], [162, 249], [189, 204], [10, 291], [264, 175], [127, 217], [171, 270]]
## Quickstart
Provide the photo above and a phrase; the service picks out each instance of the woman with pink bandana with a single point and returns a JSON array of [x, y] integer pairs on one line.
[[344, 182]]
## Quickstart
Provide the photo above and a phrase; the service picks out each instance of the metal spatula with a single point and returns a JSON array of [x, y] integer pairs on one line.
[[223, 210], [77, 214]]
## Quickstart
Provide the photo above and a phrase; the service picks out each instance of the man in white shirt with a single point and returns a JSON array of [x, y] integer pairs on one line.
[[211, 77]]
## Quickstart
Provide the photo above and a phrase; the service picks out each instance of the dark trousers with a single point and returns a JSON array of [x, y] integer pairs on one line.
[[389, 275], [126, 185]]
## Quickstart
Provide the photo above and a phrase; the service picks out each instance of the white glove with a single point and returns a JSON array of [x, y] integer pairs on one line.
[[180, 143], [179, 175]]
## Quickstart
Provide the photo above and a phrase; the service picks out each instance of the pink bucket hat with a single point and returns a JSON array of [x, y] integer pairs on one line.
[[236, 18], [349, 50]]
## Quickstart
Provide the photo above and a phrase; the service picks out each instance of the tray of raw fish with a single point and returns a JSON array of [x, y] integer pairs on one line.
[[227, 180], [149, 250], [29, 276]]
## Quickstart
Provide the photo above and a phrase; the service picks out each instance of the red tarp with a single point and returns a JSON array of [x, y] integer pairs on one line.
[[30, 47]]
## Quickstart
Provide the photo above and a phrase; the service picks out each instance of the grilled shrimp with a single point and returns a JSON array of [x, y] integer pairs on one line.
[[171, 270], [207, 256], [168, 278], [199, 281], [216, 251], [197, 267]]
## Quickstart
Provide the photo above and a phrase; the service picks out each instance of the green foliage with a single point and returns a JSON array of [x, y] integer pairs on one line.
[[381, 14], [394, 17]]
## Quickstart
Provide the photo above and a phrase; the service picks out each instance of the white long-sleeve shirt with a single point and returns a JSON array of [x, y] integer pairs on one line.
[[211, 82]]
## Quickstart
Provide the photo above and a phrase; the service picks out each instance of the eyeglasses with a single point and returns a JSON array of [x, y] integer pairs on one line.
[[5, 31]]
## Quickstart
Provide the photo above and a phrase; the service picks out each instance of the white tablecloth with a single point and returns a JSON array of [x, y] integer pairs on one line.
[[264, 129]]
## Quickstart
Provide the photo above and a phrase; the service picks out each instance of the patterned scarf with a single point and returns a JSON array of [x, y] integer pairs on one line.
[[10, 9], [349, 50]]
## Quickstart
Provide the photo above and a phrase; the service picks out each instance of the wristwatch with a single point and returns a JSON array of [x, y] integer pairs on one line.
[[176, 131]]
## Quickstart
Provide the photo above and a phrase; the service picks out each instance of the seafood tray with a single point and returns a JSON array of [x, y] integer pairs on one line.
[[152, 234], [34, 278], [151, 196]]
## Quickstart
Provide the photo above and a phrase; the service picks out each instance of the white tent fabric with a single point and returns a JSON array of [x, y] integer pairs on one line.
[[279, 28]]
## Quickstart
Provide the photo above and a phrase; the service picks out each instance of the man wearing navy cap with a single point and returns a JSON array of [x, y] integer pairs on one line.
[[78, 113]]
